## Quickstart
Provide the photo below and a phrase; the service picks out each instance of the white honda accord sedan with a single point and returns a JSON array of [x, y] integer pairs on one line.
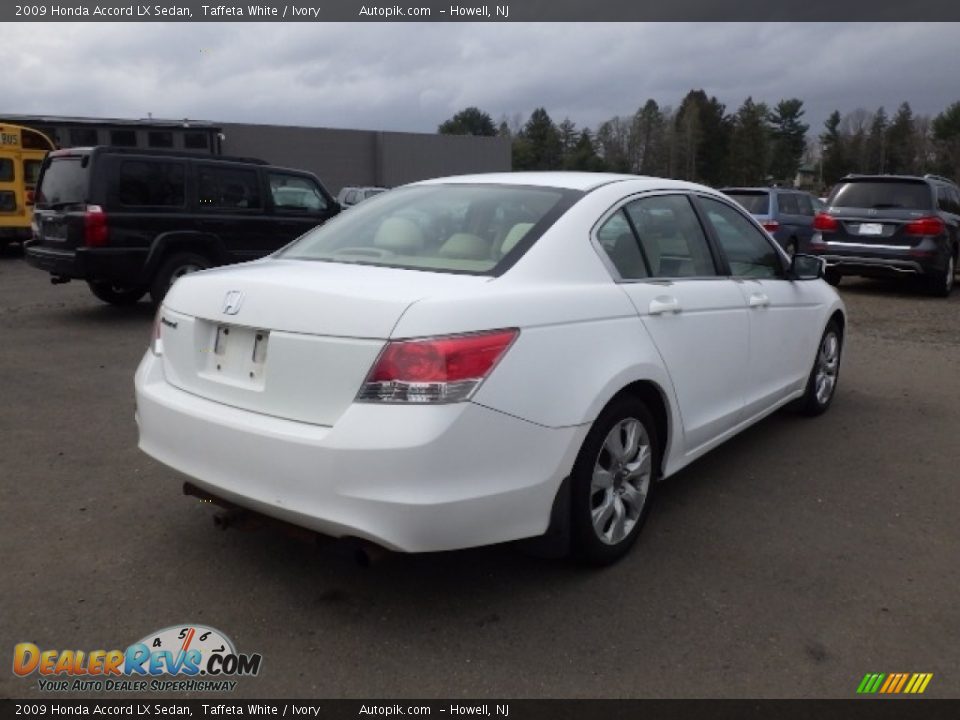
[[480, 359]]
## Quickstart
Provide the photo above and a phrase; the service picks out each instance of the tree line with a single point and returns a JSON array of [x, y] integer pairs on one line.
[[758, 144]]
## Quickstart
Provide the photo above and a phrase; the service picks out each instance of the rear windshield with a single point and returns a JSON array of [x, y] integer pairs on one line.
[[879, 194], [756, 203], [475, 229], [64, 181]]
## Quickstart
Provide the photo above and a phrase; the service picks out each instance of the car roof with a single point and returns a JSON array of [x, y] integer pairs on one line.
[[570, 180]]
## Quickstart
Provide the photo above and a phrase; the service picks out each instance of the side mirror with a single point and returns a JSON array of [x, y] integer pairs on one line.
[[807, 267]]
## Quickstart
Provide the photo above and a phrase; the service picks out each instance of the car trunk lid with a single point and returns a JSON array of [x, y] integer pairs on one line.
[[288, 338]]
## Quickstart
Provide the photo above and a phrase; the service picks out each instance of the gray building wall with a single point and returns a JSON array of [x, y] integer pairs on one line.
[[367, 157]]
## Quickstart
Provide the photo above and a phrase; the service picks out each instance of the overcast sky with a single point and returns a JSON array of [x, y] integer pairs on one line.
[[413, 76]]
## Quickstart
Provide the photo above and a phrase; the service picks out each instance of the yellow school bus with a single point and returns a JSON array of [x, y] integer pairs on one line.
[[21, 154]]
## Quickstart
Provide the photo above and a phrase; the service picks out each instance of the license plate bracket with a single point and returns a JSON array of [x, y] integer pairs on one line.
[[238, 355]]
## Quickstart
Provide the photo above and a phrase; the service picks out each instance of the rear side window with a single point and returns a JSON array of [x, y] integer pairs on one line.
[[228, 188], [805, 205], [788, 204], [671, 240], [195, 141], [880, 195], [947, 200], [64, 181], [31, 171], [160, 139], [617, 240], [6, 170], [756, 203], [748, 251], [295, 192], [150, 184]]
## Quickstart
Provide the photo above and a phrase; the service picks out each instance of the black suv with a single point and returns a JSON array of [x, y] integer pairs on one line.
[[129, 221], [891, 225]]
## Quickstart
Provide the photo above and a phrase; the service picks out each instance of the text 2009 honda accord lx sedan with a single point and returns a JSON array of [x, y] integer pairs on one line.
[[479, 359]]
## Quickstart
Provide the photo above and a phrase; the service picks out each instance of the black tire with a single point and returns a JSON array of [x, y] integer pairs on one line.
[[588, 546], [832, 276], [175, 266], [115, 295], [814, 402], [941, 284]]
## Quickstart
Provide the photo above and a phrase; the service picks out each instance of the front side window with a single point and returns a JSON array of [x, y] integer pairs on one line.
[[748, 250], [475, 229], [228, 188], [671, 239], [150, 184], [294, 192]]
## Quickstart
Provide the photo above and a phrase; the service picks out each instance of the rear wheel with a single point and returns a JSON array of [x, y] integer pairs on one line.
[[613, 479], [174, 268], [116, 295], [941, 284]]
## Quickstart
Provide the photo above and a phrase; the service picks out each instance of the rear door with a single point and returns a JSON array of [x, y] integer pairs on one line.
[[61, 198], [232, 205], [696, 317]]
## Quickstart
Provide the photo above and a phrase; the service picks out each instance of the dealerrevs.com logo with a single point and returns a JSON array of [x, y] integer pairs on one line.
[[180, 658]]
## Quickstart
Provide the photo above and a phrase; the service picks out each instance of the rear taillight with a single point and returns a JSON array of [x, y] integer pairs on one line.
[[156, 343], [771, 226], [924, 226], [435, 370], [94, 226], [30, 197], [825, 223]]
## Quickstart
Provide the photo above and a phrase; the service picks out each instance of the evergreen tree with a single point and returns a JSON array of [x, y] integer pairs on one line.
[[469, 121], [749, 145], [900, 142], [789, 136]]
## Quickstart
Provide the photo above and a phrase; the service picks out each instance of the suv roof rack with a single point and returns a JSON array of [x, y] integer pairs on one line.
[[941, 178], [164, 153]]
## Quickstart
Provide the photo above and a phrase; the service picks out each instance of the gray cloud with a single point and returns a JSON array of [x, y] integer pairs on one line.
[[413, 76]]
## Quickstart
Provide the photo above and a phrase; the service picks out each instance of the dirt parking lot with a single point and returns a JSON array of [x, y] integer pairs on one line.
[[788, 563]]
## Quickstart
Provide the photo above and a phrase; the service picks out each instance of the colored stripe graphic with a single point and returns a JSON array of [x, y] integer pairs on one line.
[[894, 683]]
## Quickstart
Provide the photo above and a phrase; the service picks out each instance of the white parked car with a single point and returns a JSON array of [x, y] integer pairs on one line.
[[479, 359]]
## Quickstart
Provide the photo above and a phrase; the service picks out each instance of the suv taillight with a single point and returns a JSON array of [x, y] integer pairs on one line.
[[924, 226], [771, 226], [825, 222], [435, 370], [94, 226]]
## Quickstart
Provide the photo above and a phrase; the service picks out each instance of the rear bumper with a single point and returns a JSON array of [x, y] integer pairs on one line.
[[118, 266], [863, 259], [415, 479]]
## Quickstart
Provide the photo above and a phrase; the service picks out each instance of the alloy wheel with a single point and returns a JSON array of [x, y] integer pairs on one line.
[[828, 363], [621, 481]]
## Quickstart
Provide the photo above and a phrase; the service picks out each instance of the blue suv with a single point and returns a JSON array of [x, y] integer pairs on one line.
[[785, 213]]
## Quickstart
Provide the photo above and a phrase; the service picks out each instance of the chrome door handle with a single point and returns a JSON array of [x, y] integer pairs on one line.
[[664, 304], [759, 300]]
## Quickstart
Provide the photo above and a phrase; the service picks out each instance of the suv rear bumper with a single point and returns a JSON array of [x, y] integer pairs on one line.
[[116, 266], [883, 261]]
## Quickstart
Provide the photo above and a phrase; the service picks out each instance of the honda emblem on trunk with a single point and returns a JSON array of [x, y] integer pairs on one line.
[[232, 302]]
